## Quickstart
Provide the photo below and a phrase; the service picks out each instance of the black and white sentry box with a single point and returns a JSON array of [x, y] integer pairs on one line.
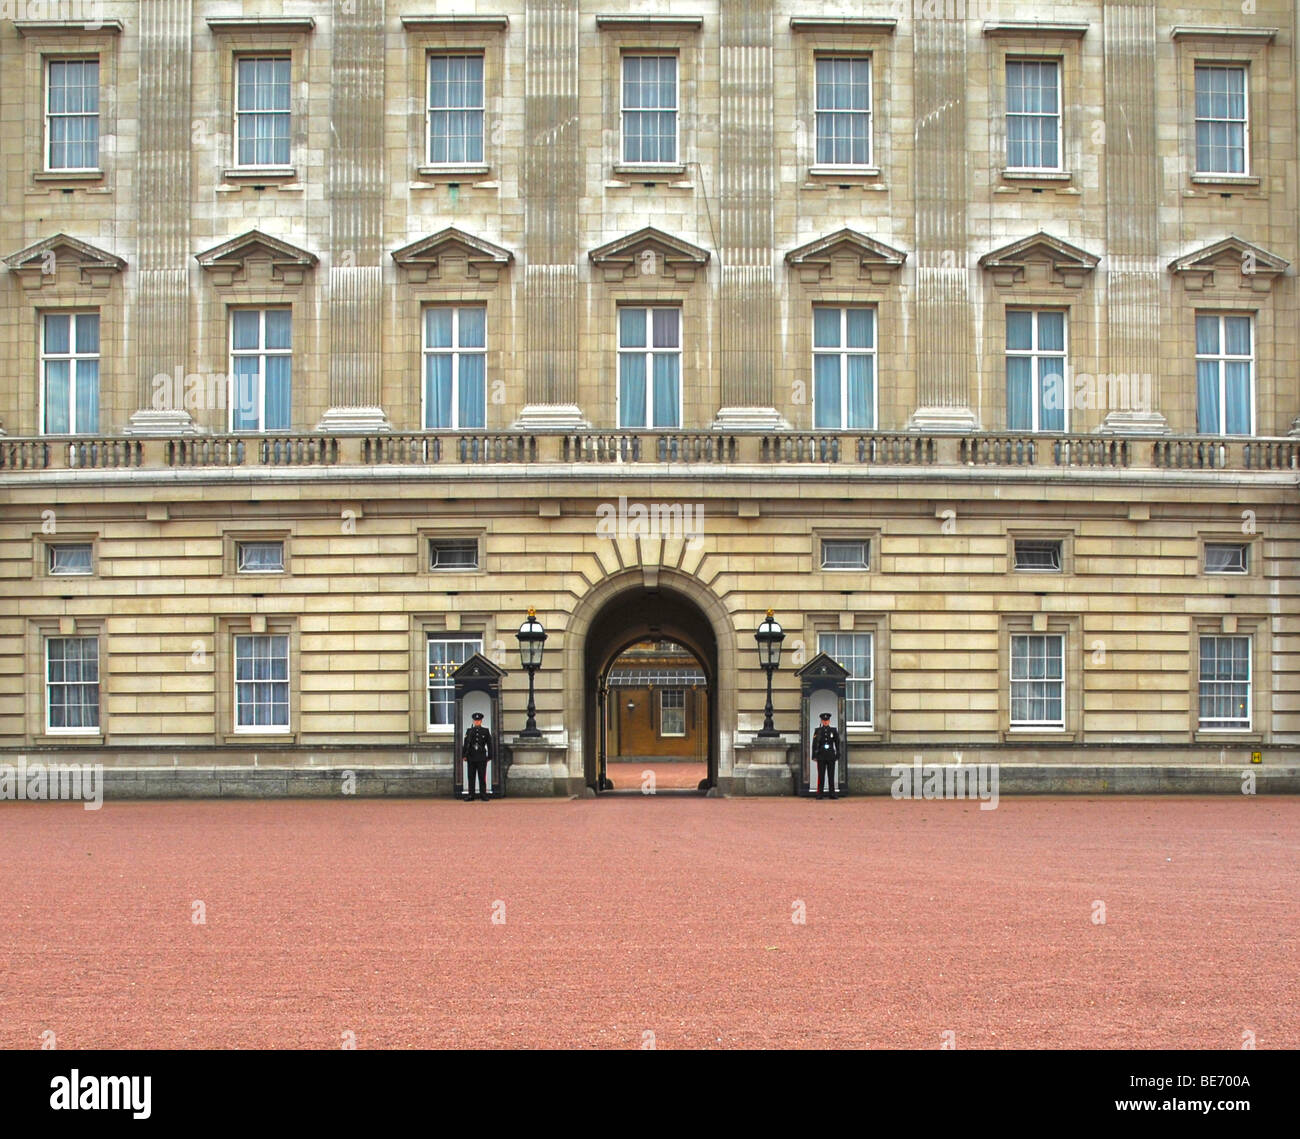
[[823, 684], [477, 688]]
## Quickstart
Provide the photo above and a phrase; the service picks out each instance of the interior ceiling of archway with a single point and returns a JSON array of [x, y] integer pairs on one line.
[[645, 614]]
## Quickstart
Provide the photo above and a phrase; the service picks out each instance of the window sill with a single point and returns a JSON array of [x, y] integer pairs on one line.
[[635, 172], [454, 172], [68, 176], [1031, 175], [1237, 735], [833, 172], [1039, 735], [260, 173], [72, 735], [1226, 179], [259, 737]]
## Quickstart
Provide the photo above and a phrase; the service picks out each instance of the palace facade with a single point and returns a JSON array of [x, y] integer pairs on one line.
[[338, 334]]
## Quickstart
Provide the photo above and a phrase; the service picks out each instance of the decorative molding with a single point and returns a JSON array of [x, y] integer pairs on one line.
[[53, 27], [880, 25], [624, 258], [38, 264], [426, 259], [1256, 266], [233, 262], [1042, 259], [1069, 30], [876, 261], [226, 25], [478, 23], [1217, 32], [677, 23]]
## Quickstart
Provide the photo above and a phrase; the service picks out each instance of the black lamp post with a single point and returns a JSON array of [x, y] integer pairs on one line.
[[769, 638], [532, 638]]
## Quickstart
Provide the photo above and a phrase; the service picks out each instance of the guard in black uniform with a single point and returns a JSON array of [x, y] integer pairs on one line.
[[826, 754], [477, 751]]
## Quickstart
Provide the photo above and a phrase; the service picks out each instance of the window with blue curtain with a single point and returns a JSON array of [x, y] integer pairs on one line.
[[1033, 114], [262, 111], [649, 367], [455, 367], [844, 368], [261, 369], [1225, 369], [70, 373], [843, 110], [649, 102], [72, 114], [1036, 381], [455, 109], [1221, 120]]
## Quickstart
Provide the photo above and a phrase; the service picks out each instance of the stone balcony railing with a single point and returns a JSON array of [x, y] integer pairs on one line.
[[611, 448]]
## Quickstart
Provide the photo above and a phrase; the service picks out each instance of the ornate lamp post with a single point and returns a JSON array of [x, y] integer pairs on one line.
[[532, 639], [769, 638]]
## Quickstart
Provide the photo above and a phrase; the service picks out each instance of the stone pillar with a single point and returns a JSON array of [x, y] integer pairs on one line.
[[551, 188], [356, 198], [747, 196], [162, 188], [944, 284], [1133, 274]]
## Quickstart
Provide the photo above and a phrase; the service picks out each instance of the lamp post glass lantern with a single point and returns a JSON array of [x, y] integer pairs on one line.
[[532, 640], [769, 638]]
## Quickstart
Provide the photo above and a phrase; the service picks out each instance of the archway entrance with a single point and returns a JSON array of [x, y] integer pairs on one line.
[[663, 633]]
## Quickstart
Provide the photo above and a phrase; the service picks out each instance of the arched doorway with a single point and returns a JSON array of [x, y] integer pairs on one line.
[[629, 609]]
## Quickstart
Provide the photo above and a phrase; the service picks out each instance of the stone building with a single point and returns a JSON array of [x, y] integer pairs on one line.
[[337, 334]]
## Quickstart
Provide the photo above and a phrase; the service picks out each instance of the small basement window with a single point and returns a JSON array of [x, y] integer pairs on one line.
[[1226, 557], [70, 558], [260, 557], [453, 554], [1038, 556], [839, 554]]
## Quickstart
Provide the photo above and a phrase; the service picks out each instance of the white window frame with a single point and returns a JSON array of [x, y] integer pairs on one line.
[[439, 638], [1244, 68], [430, 110], [261, 352], [287, 112], [1219, 724], [244, 544], [449, 568], [1244, 547], [262, 729], [51, 115], [844, 352], [676, 108], [868, 113], [94, 729], [869, 681], [72, 357], [1057, 65], [1221, 359], [664, 693], [53, 547], [1036, 354], [649, 352], [1041, 542], [455, 351], [865, 543], [1013, 680]]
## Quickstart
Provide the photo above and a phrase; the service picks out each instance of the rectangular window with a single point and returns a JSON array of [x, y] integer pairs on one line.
[[649, 104], [844, 368], [672, 712], [1033, 114], [262, 683], [456, 554], [1225, 683], [445, 656], [649, 367], [455, 109], [260, 557], [1225, 375], [70, 373], [72, 114], [1035, 370], [843, 111], [1222, 127], [261, 364], [455, 367], [844, 555], [1227, 557], [70, 558], [1043, 557], [72, 684], [1038, 681], [855, 652], [262, 110]]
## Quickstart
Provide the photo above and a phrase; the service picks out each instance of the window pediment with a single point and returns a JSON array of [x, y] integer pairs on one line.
[[38, 265], [1252, 266], [846, 253], [647, 253], [1040, 259], [450, 254], [256, 257]]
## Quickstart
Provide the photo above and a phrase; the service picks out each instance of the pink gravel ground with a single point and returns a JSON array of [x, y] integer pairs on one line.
[[626, 916]]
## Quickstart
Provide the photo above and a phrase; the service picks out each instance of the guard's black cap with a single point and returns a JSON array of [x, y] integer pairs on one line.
[[477, 716], [826, 715]]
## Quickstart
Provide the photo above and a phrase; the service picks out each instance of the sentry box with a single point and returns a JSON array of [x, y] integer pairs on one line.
[[823, 683], [476, 686]]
